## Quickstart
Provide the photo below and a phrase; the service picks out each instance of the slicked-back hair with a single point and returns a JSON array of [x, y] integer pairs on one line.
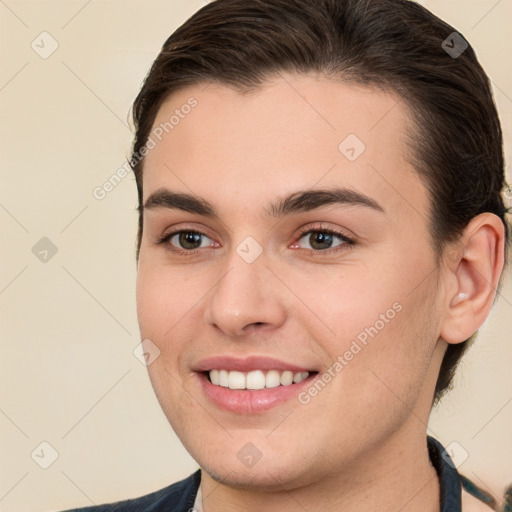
[[394, 45]]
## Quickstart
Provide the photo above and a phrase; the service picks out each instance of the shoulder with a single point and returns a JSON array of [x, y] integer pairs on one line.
[[458, 492], [472, 504], [177, 497], [477, 499]]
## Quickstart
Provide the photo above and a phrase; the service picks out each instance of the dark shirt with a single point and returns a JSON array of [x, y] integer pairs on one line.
[[180, 496]]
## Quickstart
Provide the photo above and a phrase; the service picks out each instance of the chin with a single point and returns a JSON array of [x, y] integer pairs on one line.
[[262, 478], [271, 473]]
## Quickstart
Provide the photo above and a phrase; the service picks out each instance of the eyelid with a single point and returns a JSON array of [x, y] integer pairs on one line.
[[347, 240], [178, 228], [326, 227]]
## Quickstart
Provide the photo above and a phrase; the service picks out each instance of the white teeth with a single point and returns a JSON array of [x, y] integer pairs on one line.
[[255, 379], [273, 379], [214, 377], [300, 376], [223, 378], [286, 378], [236, 380]]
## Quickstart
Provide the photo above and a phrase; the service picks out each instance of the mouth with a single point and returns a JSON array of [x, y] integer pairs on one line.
[[256, 379], [252, 385]]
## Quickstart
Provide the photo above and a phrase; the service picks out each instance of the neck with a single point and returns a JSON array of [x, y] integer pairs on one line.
[[396, 476]]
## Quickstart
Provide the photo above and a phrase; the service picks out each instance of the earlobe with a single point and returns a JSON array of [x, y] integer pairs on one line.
[[475, 274]]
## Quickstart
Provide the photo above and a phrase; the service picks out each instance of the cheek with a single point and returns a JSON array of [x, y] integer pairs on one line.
[[165, 310], [382, 328], [164, 299], [349, 304], [393, 367]]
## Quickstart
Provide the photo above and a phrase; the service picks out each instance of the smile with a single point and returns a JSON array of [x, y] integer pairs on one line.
[[252, 384], [256, 379]]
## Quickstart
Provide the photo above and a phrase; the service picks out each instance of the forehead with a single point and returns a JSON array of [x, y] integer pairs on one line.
[[294, 132]]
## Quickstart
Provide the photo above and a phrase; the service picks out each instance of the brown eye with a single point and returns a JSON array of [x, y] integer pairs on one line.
[[186, 241], [189, 240], [321, 240]]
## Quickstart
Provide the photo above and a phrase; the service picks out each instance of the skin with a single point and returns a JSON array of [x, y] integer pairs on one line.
[[359, 444]]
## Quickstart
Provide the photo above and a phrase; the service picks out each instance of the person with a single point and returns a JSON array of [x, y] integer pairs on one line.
[[321, 235]]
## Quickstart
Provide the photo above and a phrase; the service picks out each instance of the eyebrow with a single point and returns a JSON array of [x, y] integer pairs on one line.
[[297, 202]]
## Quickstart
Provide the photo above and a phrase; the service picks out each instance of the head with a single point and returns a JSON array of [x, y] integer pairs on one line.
[[288, 117]]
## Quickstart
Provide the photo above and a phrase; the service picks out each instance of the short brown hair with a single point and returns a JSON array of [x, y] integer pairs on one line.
[[392, 44]]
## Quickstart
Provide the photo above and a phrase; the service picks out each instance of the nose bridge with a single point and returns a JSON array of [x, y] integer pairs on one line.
[[246, 294]]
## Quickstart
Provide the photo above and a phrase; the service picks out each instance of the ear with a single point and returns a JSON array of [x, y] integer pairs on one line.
[[473, 268]]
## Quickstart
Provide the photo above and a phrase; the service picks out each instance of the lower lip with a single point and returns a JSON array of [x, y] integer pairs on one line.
[[246, 401]]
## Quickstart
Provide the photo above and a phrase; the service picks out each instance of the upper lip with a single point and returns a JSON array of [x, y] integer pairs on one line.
[[247, 364]]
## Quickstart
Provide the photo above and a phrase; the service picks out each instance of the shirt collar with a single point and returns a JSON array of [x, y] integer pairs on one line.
[[449, 481]]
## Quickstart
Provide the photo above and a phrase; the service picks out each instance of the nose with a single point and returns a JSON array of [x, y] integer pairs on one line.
[[245, 299]]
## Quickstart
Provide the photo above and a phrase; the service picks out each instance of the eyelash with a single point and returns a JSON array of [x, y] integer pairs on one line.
[[347, 241]]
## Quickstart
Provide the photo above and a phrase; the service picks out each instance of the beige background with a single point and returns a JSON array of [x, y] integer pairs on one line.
[[68, 373]]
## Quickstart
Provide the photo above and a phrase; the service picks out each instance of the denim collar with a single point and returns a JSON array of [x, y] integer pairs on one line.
[[449, 480]]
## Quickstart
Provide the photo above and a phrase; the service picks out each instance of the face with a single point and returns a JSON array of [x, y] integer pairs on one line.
[[299, 260]]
